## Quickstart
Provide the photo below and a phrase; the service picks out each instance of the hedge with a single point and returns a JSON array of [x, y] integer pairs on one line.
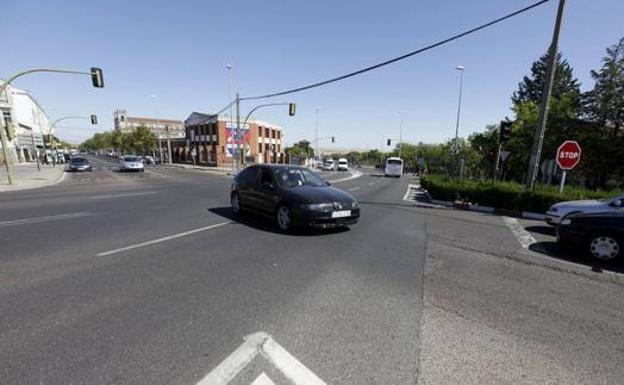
[[504, 195]]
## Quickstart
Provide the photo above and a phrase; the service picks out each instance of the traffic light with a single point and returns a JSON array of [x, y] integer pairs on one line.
[[291, 109], [389, 142], [93, 119], [97, 78], [505, 131], [333, 139]]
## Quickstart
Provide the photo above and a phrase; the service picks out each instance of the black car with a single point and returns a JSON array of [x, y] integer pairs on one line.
[[79, 164], [601, 234], [294, 196]]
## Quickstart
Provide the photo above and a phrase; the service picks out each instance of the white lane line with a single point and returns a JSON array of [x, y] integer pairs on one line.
[[159, 240], [261, 343], [50, 218], [263, 379], [354, 175], [521, 234], [354, 188], [121, 195]]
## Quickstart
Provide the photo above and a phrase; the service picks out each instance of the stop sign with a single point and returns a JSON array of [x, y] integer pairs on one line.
[[568, 155]]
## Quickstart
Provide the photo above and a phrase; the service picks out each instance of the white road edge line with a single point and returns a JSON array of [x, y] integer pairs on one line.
[[261, 343], [354, 188], [50, 218], [521, 234], [159, 240], [120, 195]]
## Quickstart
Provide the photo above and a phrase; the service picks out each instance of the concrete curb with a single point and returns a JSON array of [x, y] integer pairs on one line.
[[201, 168], [490, 210], [52, 182]]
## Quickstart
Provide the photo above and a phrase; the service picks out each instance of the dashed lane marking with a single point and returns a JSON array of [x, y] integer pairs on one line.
[[354, 188], [159, 240], [521, 234], [123, 195], [49, 218]]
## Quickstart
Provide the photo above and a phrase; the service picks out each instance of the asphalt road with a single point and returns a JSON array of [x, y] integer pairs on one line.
[[347, 304], [112, 278]]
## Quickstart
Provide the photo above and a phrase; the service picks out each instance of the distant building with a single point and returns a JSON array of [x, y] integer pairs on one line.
[[158, 126], [213, 139], [30, 122]]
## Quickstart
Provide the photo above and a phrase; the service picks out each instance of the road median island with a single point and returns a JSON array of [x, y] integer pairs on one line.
[[506, 198]]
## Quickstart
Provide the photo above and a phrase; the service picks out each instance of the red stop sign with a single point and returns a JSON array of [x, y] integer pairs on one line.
[[568, 155]]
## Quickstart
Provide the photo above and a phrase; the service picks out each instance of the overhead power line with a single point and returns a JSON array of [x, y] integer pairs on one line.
[[402, 57]]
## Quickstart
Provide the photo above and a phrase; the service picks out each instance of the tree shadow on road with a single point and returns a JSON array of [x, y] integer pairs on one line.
[[552, 250], [262, 223]]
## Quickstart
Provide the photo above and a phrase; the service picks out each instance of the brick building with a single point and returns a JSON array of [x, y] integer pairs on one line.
[[214, 140], [158, 126]]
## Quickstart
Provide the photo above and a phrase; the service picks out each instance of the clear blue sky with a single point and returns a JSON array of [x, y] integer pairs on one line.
[[178, 50]]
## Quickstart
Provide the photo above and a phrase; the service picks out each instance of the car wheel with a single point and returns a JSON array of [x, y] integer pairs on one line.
[[605, 248], [235, 201], [283, 218]]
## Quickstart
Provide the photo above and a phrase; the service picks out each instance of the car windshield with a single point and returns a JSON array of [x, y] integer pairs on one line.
[[297, 176], [131, 159], [79, 160], [394, 161]]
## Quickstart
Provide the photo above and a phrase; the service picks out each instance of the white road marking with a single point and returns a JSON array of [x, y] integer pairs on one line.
[[354, 188], [263, 379], [50, 218], [409, 190], [355, 174], [121, 195], [261, 343], [371, 183], [521, 234], [163, 239]]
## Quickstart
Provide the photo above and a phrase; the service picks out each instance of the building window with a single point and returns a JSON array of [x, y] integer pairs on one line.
[[259, 131], [266, 147], [7, 117], [273, 134], [279, 134], [266, 132], [279, 148], [259, 148]]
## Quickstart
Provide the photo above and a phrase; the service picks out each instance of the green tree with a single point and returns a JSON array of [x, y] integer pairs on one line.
[[142, 140]]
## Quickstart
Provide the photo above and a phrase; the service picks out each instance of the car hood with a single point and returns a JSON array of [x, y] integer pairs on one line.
[[583, 206], [321, 194]]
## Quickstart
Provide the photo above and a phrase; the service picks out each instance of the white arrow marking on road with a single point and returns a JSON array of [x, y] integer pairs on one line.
[[263, 379], [261, 343]]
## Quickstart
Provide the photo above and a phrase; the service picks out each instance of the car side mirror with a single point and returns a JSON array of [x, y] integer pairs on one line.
[[327, 183]]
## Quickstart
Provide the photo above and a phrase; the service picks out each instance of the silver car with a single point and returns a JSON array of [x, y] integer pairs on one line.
[[130, 163], [558, 211]]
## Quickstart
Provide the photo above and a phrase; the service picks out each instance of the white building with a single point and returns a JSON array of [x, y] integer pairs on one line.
[[29, 120]]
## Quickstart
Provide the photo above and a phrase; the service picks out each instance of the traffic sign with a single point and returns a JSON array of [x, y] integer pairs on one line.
[[568, 155]]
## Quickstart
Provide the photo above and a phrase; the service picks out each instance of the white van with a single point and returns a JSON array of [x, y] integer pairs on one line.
[[343, 164], [394, 167]]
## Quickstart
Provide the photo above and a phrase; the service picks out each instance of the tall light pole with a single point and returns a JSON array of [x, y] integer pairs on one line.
[[400, 133], [234, 148], [316, 139], [460, 68]]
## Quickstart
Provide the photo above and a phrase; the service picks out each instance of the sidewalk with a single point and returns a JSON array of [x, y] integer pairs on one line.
[[26, 176], [215, 170]]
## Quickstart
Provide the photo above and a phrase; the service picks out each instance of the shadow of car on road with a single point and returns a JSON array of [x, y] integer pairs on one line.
[[263, 223], [551, 249]]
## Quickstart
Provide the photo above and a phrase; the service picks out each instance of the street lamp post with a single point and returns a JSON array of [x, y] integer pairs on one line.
[[53, 125], [460, 68], [316, 139], [234, 151], [160, 149], [400, 133], [97, 78]]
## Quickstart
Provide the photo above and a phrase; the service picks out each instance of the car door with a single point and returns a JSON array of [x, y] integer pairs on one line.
[[246, 182], [266, 193]]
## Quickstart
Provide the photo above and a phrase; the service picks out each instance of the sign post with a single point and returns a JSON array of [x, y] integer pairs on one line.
[[568, 156]]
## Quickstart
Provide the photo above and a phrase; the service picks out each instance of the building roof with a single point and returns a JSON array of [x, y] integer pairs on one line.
[[134, 119], [196, 118]]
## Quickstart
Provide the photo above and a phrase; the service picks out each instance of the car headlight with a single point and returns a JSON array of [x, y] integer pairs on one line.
[[565, 221], [318, 206], [355, 205]]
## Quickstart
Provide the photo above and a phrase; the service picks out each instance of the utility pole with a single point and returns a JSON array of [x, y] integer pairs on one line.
[[168, 144], [238, 141], [538, 139], [400, 134], [460, 68], [5, 151], [32, 137], [316, 139]]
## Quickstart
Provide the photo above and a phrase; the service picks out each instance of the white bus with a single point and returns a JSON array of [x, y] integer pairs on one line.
[[343, 164], [394, 167]]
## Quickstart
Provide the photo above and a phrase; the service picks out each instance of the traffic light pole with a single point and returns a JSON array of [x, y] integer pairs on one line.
[[538, 140]]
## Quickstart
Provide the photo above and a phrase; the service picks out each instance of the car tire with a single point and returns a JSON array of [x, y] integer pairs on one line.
[[283, 218], [235, 203], [605, 247]]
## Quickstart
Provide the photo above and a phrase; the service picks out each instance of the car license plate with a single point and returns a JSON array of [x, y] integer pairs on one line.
[[341, 214]]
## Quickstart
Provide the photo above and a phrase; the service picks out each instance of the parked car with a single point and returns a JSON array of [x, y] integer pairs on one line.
[[130, 163], [294, 196], [328, 165], [79, 164], [560, 210], [343, 164], [599, 234], [149, 160]]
